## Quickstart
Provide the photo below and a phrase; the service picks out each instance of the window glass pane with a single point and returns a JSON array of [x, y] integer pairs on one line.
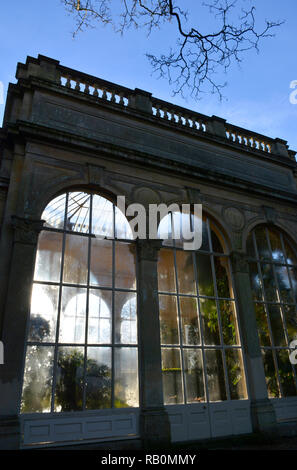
[[215, 375], [185, 272], [125, 318], [99, 321], [44, 310], [229, 322], [210, 325], [255, 282], [269, 283], [262, 243], [293, 276], [73, 315], [222, 276], [189, 320], [70, 379], [286, 373], [166, 271], [54, 213], [165, 230], [101, 263], [98, 378], [290, 314], [76, 260], [125, 265], [37, 385], [48, 257], [102, 217], [291, 254], [122, 226], [236, 377], [263, 330], [168, 319], [270, 374], [205, 240], [78, 212], [277, 326], [172, 376], [276, 246], [216, 244], [284, 284], [194, 376], [126, 377], [205, 280]]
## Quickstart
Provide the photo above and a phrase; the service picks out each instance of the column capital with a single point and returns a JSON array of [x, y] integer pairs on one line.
[[148, 249], [239, 262], [26, 230]]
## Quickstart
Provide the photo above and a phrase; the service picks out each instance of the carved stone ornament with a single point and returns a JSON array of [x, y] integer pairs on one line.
[[239, 262], [148, 249], [234, 218], [26, 230]]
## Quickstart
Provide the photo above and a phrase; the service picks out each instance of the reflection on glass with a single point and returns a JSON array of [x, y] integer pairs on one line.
[[99, 321], [286, 373], [37, 385], [48, 257], [277, 326], [98, 378], [101, 263], [276, 246], [293, 276], [283, 284], [122, 226], [165, 230], [125, 318], [185, 272], [44, 308], [166, 271], [205, 240], [125, 265], [76, 260], [189, 320], [236, 377], [102, 217], [269, 283], [255, 282], [262, 325], [229, 323], [291, 254], [215, 375], [70, 379], [172, 376], [222, 276], [210, 325], [262, 243], [54, 213], [290, 314], [73, 315], [194, 376], [168, 319], [270, 373], [205, 280], [126, 377], [78, 212]]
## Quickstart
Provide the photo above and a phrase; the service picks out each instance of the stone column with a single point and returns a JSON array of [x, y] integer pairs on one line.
[[154, 421], [262, 411], [15, 327]]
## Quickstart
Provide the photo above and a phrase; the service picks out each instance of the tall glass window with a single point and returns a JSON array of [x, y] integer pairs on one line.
[[202, 357], [82, 349], [273, 273]]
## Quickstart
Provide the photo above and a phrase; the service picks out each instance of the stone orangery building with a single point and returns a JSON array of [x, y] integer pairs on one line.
[[107, 337]]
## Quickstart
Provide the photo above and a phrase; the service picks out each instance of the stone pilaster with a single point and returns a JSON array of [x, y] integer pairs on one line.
[[262, 411], [15, 323], [154, 421]]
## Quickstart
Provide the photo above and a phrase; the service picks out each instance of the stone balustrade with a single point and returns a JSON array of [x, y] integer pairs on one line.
[[248, 139], [178, 115]]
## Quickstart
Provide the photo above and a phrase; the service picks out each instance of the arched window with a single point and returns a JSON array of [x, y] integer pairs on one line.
[[273, 273], [201, 348], [82, 349]]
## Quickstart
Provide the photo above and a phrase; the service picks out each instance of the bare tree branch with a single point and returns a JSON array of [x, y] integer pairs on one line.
[[192, 64]]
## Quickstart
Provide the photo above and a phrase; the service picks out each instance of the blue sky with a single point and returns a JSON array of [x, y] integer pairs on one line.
[[256, 96]]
